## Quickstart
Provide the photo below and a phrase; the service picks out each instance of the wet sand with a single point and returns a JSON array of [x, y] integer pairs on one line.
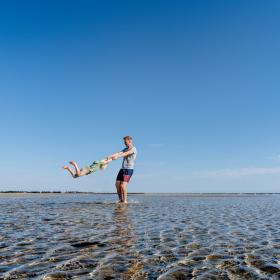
[[86, 236]]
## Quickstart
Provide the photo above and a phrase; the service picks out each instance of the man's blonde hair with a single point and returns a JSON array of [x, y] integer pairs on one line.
[[127, 137]]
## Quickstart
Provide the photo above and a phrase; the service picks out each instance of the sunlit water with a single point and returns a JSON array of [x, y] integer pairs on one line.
[[79, 236]]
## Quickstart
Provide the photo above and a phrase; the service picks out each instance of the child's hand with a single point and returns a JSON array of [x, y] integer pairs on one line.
[[114, 158]]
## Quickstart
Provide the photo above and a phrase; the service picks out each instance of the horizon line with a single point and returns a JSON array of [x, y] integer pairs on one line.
[[137, 193]]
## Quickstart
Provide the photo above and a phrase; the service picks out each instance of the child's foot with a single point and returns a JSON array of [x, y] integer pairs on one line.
[[65, 167], [72, 162]]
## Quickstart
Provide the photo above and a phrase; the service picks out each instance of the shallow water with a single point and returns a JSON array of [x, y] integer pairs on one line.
[[86, 236]]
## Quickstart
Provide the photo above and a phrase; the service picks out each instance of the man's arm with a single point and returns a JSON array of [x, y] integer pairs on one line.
[[121, 154], [115, 155], [124, 154]]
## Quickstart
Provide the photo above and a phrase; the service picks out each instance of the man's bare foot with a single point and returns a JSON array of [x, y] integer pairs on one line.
[[125, 202]]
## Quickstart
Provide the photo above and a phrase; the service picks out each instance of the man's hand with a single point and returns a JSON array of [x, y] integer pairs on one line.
[[115, 156]]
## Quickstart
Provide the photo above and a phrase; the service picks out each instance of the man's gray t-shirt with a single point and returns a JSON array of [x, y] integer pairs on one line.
[[128, 161]]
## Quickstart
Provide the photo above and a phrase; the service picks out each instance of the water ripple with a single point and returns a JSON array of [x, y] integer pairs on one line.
[[153, 237]]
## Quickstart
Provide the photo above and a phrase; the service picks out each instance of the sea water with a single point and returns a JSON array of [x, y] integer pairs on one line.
[[87, 236]]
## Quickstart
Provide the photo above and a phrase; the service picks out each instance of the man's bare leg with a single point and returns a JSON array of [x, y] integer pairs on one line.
[[78, 172], [69, 169], [124, 191], [118, 186]]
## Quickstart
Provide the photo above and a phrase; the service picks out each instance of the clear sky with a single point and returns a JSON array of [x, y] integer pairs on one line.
[[196, 83]]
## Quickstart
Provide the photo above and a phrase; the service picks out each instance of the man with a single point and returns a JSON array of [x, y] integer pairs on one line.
[[129, 155]]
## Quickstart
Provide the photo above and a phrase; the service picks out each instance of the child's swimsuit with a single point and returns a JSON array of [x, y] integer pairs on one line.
[[95, 166]]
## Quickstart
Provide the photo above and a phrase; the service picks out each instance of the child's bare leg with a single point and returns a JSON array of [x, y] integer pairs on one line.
[[78, 172], [69, 170]]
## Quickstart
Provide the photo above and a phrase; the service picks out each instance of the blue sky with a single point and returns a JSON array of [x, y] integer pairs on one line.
[[196, 83]]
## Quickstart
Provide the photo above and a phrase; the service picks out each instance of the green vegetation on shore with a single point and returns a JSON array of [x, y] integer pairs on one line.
[[136, 193], [67, 192]]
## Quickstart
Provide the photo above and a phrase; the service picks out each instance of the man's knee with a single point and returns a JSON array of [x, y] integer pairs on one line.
[[123, 185]]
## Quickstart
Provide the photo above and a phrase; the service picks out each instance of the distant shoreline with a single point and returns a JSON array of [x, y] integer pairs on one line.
[[139, 193], [56, 192]]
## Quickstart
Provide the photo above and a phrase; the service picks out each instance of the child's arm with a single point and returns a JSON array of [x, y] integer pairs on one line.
[[106, 160]]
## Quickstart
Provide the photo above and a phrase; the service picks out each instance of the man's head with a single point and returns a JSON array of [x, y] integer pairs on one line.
[[127, 141]]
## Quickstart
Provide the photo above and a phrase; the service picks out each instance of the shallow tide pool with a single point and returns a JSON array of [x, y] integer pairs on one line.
[[87, 236]]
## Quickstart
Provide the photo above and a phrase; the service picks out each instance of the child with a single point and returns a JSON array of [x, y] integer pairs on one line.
[[102, 164]]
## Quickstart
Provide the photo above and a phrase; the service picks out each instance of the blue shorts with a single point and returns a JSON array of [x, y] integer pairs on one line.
[[124, 175]]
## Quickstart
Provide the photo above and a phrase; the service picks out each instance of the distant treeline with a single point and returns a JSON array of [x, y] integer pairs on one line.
[[30, 192], [165, 194], [61, 192]]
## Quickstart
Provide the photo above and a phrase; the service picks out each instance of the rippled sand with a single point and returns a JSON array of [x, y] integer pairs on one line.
[[153, 237]]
